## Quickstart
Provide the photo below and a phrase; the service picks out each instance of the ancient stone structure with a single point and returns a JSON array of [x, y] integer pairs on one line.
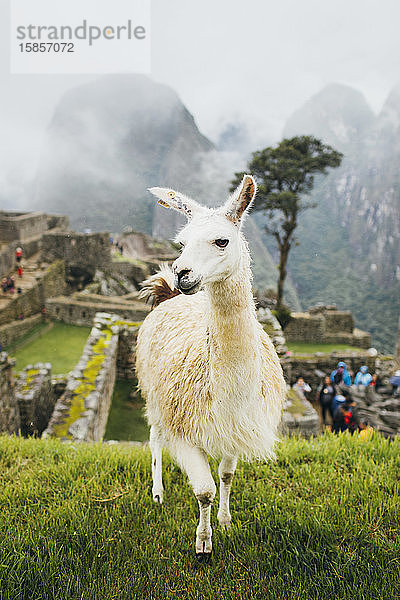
[[12, 332], [81, 309], [35, 397], [272, 327], [25, 230], [9, 413], [83, 253], [380, 410], [299, 417], [326, 325], [82, 411], [50, 282], [21, 226]]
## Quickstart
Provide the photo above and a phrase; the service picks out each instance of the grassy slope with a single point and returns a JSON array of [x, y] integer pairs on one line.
[[61, 345], [308, 348], [321, 522]]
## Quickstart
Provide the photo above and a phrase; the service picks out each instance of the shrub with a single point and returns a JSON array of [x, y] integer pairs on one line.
[[283, 315]]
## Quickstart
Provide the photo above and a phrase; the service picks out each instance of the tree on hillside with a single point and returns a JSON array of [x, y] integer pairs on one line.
[[285, 174]]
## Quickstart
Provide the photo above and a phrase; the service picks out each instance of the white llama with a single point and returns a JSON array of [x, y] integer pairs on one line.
[[209, 373]]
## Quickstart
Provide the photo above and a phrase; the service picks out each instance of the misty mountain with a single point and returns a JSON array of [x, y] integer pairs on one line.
[[108, 141], [111, 139], [349, 250]]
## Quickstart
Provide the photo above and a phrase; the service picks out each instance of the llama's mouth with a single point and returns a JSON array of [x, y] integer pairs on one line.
[[188, 287]]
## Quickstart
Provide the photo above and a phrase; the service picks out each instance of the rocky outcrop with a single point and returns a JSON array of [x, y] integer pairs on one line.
[[379, 410]]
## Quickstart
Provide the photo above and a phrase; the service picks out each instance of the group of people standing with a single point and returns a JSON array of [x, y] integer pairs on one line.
[[334, 397], [8, 283]]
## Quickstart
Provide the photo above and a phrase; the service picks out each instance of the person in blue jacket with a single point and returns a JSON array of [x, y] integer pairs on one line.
[[341, 375], [363, 377]]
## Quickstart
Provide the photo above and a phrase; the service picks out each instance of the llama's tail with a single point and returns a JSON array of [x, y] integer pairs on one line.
[[159, 287]]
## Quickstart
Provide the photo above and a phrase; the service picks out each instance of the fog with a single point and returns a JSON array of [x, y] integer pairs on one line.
[[250, 64]]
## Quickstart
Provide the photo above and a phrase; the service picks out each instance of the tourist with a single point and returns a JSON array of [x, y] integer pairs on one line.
[[363, 377], [325, 395], [339, 399], [18, 254], [346, 417], [395, 383], [20, 271], [340, 376], [4, 285], [301, 386]]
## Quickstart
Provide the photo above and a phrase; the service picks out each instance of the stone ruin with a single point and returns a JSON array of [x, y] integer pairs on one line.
[[9, 413], [379, 410], [326, 325], [35, 398], [81, 413]]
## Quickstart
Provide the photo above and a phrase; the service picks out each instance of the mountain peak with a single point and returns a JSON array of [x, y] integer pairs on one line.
[[338, 114]]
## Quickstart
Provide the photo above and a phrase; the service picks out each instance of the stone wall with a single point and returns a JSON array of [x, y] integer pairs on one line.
[[7, 254], [12, 332], [304, 327], [32, 300], [76, 311], [303, 420], [126, 358], [135, 271], [326, 325], [380, 411], [35, 397], [60, 222], [21, 226], [81, 413], [81, 250], [9, 413], [338, 321]]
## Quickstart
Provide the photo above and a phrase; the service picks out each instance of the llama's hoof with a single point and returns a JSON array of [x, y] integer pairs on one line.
[[203, 558], [203, 547], [158, 496]]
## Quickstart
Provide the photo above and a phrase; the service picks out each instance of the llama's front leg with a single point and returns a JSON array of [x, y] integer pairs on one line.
[[194, 462], [226, 470], [156, 447]]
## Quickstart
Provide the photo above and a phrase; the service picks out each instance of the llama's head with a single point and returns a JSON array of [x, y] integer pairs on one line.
[[213, 245]]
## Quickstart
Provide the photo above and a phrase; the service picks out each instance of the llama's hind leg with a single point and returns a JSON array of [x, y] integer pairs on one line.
[[226, 470], [156, 447], [194, 462]]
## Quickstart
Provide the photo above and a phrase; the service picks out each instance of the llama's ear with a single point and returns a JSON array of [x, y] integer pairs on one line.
[[172, 199], [240, 200]]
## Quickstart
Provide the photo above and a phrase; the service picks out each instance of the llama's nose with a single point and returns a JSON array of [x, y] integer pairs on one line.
[[183, 277]]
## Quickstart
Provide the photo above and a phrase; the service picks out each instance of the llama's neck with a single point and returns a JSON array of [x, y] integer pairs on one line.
[[231, 319]]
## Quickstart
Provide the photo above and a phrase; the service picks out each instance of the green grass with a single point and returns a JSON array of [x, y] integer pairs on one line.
[[320, 523], [126, 418], [61, 345], [308, 348]]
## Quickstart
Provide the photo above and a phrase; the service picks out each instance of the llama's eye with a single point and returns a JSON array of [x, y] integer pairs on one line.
[[221, 243]]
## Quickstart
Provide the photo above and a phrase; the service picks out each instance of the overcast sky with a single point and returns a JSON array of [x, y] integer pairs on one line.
[[248, 61]]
